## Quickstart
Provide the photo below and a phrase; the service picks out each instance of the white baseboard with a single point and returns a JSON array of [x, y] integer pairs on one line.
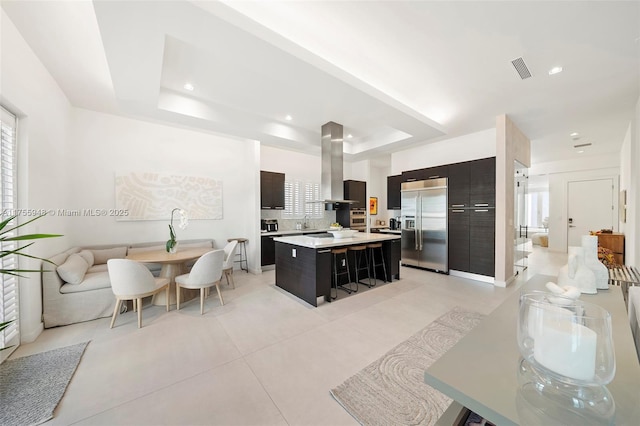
[[470, 276], [31, 335]]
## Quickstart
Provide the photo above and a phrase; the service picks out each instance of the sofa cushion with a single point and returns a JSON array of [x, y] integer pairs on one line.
[[87, 256], [98, 268], [92, 281], [73, 269], [101, 256]]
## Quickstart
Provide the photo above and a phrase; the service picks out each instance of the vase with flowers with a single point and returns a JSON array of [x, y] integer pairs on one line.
[[172, 243]]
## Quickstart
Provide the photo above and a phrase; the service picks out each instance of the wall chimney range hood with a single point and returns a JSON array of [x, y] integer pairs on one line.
[[331, 182]]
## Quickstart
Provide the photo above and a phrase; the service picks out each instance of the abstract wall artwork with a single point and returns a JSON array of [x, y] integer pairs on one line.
[[152, 196]]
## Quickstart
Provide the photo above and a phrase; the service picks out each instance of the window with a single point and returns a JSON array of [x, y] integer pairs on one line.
[[297, 194], [9, 294]]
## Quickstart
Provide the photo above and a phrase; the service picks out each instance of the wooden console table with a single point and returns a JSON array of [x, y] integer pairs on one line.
[[614, 242]]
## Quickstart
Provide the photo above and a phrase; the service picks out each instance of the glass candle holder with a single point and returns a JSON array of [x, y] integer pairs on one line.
[[567, 340]]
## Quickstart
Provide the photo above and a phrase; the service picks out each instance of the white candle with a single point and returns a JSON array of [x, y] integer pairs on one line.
[[567, 348]]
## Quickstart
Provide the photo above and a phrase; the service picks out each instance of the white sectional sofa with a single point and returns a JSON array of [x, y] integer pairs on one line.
[[77, 287]]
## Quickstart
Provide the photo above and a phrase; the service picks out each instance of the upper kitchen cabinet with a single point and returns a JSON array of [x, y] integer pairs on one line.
[[472, 184], [424, 174], [394, 184], [271, 190], [482, 183], [459, 185], [356, 190]]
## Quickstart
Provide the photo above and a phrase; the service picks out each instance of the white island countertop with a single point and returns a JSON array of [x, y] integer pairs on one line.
[[310, 241]]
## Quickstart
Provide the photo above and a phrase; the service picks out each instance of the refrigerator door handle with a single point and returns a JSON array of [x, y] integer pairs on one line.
[[416, 227]]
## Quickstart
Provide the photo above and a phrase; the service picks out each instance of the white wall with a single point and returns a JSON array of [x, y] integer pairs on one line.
[[43, 119], [463, 148], [293, 164], [104, 144], [630, 181]]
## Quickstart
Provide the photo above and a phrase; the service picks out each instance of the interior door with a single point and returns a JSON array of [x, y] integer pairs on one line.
[[590, 208]]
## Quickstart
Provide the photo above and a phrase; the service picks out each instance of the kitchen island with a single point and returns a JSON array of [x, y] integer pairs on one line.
[[303, 262]]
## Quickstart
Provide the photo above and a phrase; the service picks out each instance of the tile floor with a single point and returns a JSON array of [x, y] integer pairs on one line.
[[263, 358]]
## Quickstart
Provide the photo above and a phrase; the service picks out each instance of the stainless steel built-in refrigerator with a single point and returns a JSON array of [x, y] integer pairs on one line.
[[424, 224]]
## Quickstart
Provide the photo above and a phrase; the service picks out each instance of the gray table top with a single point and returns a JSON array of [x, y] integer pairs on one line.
[[480, 372]]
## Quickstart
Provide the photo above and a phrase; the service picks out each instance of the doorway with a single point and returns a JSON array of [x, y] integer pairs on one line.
[[590, 207]]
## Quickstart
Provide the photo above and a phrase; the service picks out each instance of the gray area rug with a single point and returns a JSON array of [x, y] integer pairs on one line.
[[31, 387], [391, 390]]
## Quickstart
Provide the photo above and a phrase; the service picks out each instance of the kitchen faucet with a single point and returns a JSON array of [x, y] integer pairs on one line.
[[306, 221]]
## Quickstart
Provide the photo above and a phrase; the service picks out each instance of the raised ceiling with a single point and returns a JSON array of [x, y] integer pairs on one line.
[[394, 73]]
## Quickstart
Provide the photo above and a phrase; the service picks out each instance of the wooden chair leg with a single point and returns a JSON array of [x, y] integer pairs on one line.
[[139, 312], [219, 294], [133, 303], [167, 296], [229, 276], [115, 312], [202, 301], [177, 297]]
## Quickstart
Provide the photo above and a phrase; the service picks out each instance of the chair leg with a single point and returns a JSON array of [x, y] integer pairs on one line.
[[228, 274], [177, 297], [133, 303], [167, 296], [139, 312], [115, 312], [202, 301], [219, 294]]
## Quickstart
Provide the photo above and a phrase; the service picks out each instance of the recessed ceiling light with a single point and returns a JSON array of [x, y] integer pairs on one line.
[[580, 152], [188, 86], [288, 118], [349, 136], [555, 70], [574, 134]]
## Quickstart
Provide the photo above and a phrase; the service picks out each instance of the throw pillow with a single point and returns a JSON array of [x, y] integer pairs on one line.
[[73, 269], [87, 256], [101, 256]]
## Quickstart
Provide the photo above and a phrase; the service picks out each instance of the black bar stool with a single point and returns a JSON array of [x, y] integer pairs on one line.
[[373, 248], [360, 252], [242, 253], [338, 255]]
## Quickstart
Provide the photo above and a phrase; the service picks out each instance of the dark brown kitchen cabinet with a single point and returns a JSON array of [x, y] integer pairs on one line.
[[393, 192], [459, 239], [482, 183], [356, 190], [482, 238], [268, 250], [458, 196], [426, 173], [271, 190]]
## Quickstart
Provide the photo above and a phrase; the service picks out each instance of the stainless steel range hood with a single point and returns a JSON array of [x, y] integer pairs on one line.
[[331, 182]]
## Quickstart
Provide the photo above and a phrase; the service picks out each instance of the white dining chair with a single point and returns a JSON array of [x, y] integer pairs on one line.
[[229, 257], [206, 273], [131, 280]]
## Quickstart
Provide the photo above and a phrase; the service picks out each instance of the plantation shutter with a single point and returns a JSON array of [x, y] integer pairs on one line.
[[8, 176]]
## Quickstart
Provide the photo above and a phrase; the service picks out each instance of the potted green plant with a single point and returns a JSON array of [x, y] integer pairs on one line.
[[6, 234]]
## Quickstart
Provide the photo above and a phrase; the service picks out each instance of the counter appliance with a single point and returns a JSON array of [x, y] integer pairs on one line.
[[424, 224], [269, 225]]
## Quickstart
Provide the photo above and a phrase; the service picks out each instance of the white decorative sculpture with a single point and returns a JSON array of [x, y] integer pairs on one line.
[[591, 261], [577, 274]]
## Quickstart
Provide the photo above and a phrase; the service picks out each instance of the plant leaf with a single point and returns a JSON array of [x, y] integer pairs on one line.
[[29, 237]]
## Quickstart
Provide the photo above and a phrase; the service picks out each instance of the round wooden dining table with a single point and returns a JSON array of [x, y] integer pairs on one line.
[[173, 264]]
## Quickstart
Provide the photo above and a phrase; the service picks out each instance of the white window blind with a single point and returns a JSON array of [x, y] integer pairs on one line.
[[296, 196], [9, 294]]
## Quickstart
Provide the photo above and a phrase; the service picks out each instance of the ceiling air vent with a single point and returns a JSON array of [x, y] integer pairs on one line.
[[521, 67], [581, 145]]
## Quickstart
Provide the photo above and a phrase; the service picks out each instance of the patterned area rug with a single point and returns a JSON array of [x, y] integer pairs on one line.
[[391, 390], [31, 387]]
